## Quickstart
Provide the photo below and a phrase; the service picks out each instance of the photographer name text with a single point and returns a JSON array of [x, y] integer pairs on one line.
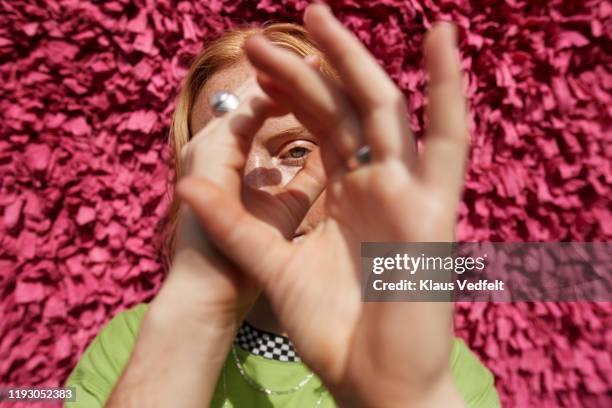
[[429, 285]]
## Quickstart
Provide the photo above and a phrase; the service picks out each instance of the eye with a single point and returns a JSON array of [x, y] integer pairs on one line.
[[298, 152], [295, 153]]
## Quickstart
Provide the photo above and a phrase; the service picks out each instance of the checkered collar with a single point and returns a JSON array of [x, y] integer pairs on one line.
[[265, 344]]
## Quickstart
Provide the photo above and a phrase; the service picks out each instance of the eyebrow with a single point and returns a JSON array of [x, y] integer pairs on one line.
[[292, 131], [276, 139]]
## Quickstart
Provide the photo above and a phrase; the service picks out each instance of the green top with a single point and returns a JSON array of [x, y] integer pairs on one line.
[[103, 361]]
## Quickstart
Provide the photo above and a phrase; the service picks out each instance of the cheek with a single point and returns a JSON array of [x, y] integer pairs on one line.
[[264, 172], [287, 173]]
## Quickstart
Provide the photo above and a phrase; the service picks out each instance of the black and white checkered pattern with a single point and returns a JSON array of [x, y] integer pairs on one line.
[[265, 344]]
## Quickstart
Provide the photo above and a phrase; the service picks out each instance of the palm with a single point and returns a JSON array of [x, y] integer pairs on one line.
[[317, 293]]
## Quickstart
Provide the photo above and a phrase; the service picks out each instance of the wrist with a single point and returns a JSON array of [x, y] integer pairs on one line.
[[441, 393], [176, 359], [205, 287], [183, 299], [444, 393]]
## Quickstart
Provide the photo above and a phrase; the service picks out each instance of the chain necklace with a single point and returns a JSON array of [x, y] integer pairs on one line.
[[260, 388]]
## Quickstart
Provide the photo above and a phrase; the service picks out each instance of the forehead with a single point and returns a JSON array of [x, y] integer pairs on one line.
[[229, 79]]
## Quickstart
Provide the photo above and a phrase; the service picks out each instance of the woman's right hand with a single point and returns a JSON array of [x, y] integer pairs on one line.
[[201, 278], [199, 272], [186, 333]]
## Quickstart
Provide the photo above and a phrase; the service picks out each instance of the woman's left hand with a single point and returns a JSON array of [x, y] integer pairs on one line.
[[368, 354]]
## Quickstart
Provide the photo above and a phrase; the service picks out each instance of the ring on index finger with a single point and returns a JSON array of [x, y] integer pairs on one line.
[[223, 101]]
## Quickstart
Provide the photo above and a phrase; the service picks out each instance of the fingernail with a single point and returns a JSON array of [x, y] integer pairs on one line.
[[312, 60], [321, 4], [305, 15], [256, 37]]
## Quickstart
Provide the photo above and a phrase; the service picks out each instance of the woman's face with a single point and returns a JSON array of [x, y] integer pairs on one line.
[[278, 150]]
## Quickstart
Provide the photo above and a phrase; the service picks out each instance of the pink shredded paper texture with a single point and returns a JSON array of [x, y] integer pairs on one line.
[[87, 93]]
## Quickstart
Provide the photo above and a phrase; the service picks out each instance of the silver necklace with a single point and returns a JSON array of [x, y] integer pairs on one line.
[[260, 388]]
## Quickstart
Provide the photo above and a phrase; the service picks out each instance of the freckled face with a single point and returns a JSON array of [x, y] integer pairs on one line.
[[278, 150]]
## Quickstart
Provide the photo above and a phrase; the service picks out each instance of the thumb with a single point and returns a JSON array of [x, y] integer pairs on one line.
[[257, 248]]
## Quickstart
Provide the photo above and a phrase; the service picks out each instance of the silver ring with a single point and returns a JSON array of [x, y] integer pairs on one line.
[[362, 156], [223, 101]]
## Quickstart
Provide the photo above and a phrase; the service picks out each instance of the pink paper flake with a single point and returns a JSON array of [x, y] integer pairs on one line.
[[141, 121], [99, 254], [85, 215], [38, 156], [26, 292], [63, 347], [78, 126], [12, 212]]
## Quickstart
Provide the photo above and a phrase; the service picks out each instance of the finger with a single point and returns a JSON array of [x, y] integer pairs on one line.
[[248, 92], [218, 152], [381, 104], [286, 210], [254, 246], [250, 116], [233, 130], [334, 153], [446, 144], [318, 102], [303, 190]]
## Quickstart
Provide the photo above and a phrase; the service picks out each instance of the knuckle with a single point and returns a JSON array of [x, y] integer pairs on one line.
[[185, 151], [185, 158], [397, 99], [460, 138], [467, 139], [389, 99], [190, 154], [197, 148]]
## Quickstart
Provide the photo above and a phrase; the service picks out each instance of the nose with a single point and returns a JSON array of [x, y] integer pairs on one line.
[[261, 177], [259, 171]]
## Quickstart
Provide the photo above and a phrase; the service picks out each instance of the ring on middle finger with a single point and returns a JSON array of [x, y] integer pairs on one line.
[[361, 157]]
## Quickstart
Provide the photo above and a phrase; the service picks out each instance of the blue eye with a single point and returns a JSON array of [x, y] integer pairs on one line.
[[298, 152]]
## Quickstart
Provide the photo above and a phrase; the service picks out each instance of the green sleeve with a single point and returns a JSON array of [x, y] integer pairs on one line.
[[103, 361], [474, 381]]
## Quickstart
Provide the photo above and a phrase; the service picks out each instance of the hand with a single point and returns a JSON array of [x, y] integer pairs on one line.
[[192, 321], [370, 354], [217, 291]]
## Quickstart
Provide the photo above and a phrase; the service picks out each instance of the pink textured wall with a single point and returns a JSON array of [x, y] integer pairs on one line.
[[86, 97]]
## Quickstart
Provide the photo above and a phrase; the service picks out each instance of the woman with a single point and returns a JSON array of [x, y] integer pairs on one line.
[[274, 209]]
